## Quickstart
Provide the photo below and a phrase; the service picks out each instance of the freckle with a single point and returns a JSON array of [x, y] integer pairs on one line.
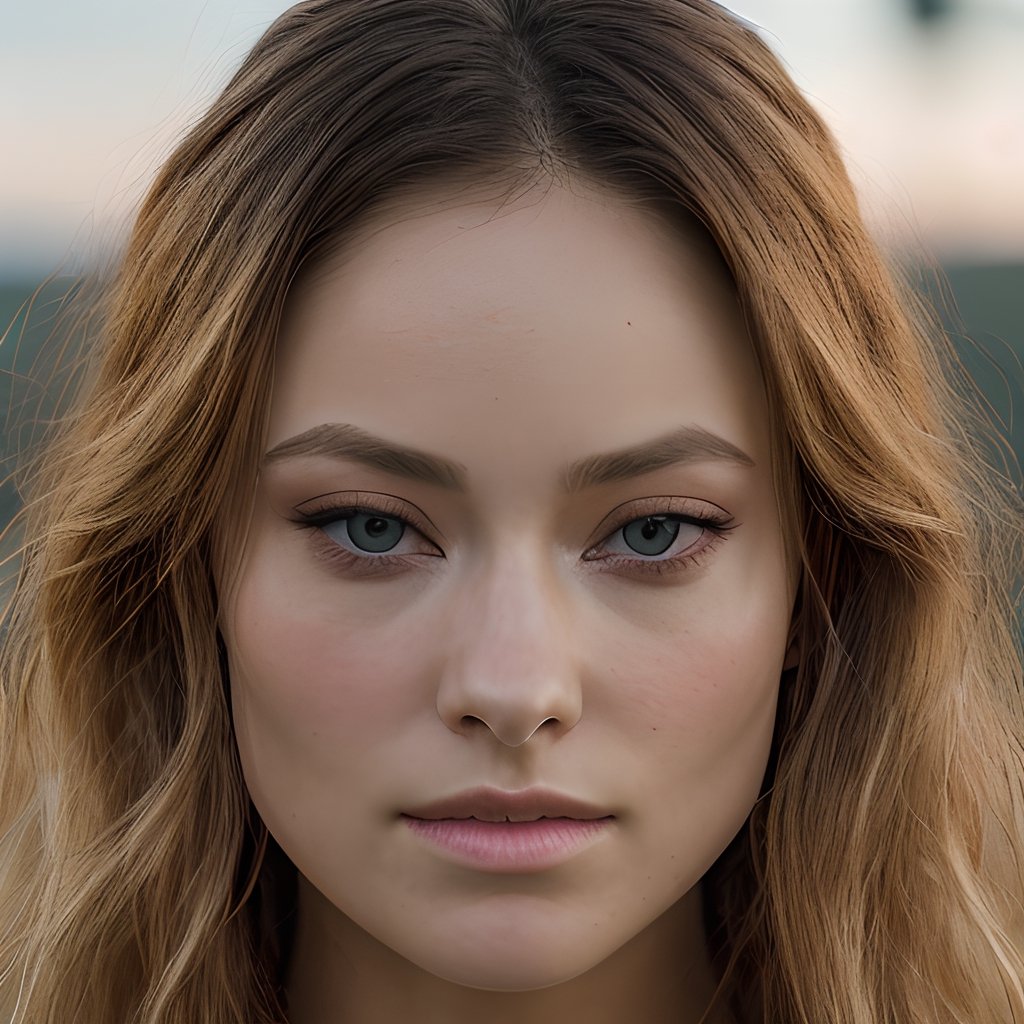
[[629, 323]]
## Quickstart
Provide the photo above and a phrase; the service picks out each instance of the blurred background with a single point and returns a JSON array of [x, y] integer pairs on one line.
[[926, 98]]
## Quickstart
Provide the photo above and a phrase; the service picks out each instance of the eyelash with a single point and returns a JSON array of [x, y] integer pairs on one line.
[[716, 527]]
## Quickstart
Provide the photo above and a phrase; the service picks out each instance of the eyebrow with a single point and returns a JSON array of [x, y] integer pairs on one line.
[[345, 441]]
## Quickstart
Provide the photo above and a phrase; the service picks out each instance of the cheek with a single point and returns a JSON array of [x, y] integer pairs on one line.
[[700, 721], [697, 689], [311, 696], [709, 663]]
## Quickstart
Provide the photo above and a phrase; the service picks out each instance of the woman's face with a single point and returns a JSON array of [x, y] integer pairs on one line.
[[566, 574]]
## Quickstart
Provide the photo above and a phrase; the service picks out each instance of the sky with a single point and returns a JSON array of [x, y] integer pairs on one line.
[[95, 93]]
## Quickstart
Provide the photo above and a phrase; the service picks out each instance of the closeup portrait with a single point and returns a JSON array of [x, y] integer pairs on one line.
[[512, 513]]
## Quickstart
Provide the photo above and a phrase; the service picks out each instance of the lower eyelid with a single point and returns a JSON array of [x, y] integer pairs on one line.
[[368, 564]]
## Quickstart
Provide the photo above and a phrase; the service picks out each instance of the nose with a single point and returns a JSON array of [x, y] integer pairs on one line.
[[511, 665]]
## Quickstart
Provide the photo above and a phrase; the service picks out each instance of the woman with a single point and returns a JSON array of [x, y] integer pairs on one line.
[[515, 557]]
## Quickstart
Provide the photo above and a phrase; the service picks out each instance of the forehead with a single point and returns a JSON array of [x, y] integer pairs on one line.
[[523, 333]]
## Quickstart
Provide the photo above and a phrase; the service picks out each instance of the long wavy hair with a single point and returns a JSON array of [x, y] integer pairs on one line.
[[879, 875]]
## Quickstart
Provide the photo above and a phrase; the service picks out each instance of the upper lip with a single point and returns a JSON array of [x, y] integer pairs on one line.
[[488, 804]]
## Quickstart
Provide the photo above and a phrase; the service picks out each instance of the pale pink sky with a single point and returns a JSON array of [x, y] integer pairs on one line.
[[97, 91]]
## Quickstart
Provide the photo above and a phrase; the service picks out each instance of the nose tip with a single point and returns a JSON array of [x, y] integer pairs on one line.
[[514, 706], [509, 734]]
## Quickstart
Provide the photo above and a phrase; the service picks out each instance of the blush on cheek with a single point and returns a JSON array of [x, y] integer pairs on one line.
[[707, 674], [308, 685], [307, 681]]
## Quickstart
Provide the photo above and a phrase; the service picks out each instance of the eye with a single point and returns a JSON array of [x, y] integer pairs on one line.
[[369, 531], [380, 536], [654, 535], [691, 537], [662, 536], [364, 539]]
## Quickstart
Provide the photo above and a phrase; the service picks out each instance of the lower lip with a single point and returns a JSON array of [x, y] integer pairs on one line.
[[519, 846]]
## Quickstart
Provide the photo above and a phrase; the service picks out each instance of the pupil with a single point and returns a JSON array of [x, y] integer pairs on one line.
[[376, 526]]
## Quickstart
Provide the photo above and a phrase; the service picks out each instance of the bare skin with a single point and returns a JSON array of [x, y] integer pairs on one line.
[[519, 637], [661, 976]]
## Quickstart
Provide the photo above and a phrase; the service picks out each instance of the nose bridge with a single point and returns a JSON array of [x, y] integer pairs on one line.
[[511, 663]]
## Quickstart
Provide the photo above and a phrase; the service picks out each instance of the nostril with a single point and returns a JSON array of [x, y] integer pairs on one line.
[[512, 733]]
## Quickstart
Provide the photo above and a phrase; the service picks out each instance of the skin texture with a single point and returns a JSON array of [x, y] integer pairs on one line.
[[509, 649]]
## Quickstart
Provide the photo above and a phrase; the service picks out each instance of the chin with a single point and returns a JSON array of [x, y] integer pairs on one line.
[[507, 957], [522, 970]]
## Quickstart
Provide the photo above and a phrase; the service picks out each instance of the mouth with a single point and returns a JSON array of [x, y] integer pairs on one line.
[[511, 832], [509, 847], [487, 804]]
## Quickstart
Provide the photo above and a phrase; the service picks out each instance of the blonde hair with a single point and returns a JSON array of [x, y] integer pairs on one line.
[[879, 876]]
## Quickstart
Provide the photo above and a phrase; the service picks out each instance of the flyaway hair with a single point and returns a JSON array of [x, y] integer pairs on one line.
[[879, 876]]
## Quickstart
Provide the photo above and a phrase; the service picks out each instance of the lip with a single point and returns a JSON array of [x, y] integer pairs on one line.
[[501, 831], [486, 803]]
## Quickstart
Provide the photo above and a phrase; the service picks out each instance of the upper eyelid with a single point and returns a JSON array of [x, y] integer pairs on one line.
[[637, 508], [390, 508]]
